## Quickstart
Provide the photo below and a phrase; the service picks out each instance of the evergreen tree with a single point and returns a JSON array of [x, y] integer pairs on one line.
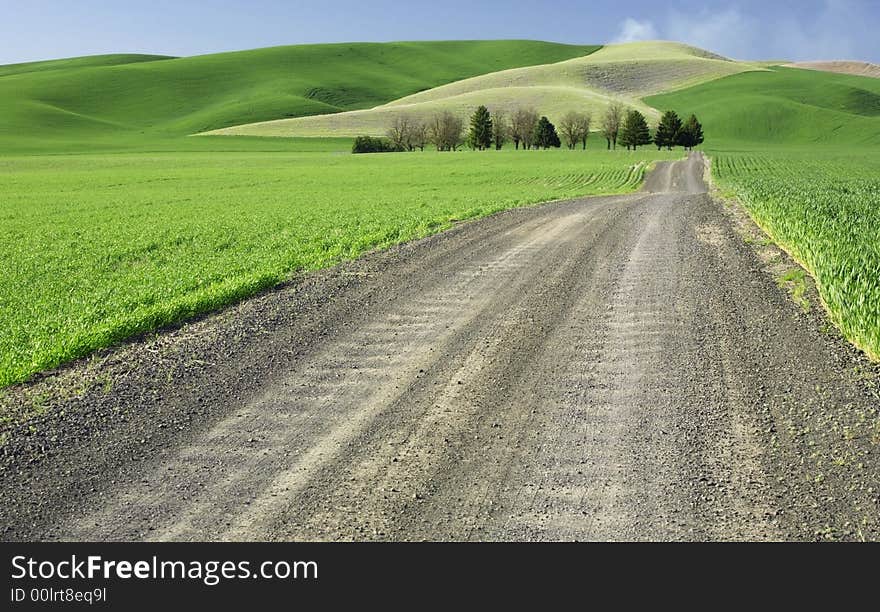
[[667, 131], [643, 132], [635, 130], [480, 135], [545, 134], [691, 134]]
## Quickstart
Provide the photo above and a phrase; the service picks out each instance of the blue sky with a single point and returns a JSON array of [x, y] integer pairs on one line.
[[748, 29]]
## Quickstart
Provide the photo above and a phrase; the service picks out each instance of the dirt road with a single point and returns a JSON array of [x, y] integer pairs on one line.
[[608, 368]]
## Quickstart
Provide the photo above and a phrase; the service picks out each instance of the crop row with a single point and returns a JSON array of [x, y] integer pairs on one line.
[[825, 210]]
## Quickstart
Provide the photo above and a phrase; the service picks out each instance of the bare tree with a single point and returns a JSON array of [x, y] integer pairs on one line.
[[436, 131], [529, 127], [418, 135], [522, 127], [583, 128], [569, 129], [445, 131], [400, 133], [454, 131], [612, 121], [500, 129], [516, 127]]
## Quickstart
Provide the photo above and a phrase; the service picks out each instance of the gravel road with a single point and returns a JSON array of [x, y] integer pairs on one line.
[[618, 368]]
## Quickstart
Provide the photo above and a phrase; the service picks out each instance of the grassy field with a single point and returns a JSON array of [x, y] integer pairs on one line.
[[626, 72], [111, 102], [95, 248], [822, 206]]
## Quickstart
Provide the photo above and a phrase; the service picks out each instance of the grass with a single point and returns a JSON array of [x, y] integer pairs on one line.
[[823, 207], [795, 282], [130, 101], [97, 248], [626, 72]]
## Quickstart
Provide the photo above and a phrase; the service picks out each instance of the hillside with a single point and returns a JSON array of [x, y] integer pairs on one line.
[[626, 72], [842, 67], [47, 104], [88, 61], [783, 106]]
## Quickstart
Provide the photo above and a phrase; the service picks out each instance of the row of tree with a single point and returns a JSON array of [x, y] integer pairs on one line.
[[525, 128], [487, 130], [630, 129]]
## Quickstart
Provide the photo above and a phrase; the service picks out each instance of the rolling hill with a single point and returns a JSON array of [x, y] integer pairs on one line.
[[841, 66], [88, 61], [44, 105], [783, 106], [148, 102], [626, 72]]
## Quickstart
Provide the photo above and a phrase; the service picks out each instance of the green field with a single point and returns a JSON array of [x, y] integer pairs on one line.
[[119, 102], [95, 248], [823, 207]]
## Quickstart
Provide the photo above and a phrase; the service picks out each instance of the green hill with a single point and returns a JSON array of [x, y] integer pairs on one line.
[[72, 103], [782, 106], [626, 72], [88, 61]]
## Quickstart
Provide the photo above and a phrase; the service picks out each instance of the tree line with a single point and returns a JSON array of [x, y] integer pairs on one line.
[[527, 129], [630, 129]]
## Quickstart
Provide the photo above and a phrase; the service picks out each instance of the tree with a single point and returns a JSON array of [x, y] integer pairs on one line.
[[418, 135], [399, 134], [574, 128], [667, 131], [691, 133], [545, 134], [500, 129], [368, 144], [611, 123], [522, 127], [569, 129], [635, 131], [480, 134], [445, 131], [626, 137], [584, 121]]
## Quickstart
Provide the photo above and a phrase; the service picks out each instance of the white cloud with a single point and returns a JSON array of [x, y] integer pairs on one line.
[[632, 30], [830, 31], [728, 32], [823, 29], [830, 35]]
